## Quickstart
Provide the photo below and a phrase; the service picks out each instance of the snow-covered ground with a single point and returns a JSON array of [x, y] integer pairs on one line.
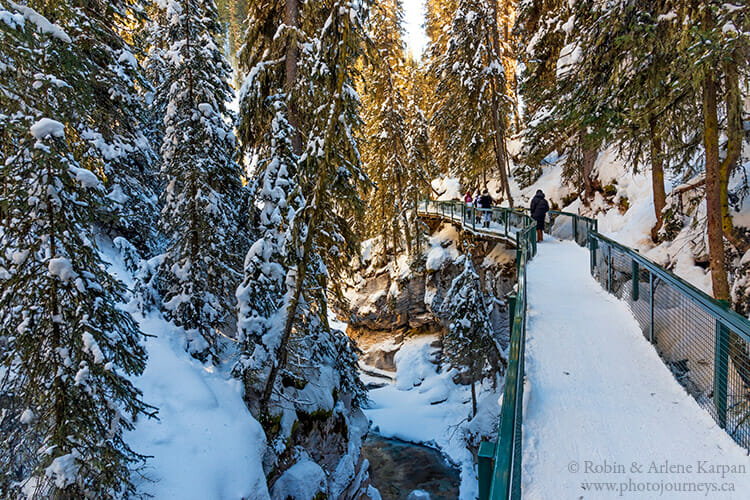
[[205, 443], [426, 406], [603, 416]]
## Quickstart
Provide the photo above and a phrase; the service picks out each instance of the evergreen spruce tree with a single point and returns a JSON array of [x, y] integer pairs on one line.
[[109, 87], [438, 16], [540, 32], [329, 174], [470, 114], [67, 350], [299, 84], [468, 343], [398, 177], [203, 182]]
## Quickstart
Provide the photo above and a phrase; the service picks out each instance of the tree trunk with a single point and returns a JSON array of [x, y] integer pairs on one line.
[[321, 187], [498, 123], [291, 19], [713, 191], [735, 132], [657, 179], [587, 167], [473, 399]]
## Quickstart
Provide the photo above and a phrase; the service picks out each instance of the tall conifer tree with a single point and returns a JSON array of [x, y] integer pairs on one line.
[[68, 351], [203, 193]]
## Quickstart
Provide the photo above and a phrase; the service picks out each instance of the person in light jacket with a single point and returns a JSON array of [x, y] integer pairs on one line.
[[539, 208]]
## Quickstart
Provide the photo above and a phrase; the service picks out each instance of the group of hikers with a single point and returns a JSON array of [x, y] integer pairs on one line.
[[538, 208]]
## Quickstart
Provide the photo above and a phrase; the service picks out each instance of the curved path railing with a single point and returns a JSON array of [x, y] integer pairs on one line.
[[705, 344], [500, 463]]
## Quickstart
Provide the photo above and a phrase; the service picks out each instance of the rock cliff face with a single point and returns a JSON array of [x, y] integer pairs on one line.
[[390, 298]]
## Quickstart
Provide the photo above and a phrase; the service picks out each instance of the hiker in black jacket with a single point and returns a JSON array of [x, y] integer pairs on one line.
[[485, 202], [539, 208]]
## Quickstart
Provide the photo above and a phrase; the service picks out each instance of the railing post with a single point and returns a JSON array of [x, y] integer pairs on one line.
[[512, 299], [609, 269], [505, 218], [721, 365], [636, 282], [575, 230], [486, 464], [518, 254], [593, 245], [474, 218], [651, 306]]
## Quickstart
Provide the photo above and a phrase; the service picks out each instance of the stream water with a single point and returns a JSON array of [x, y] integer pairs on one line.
[[398, 468]]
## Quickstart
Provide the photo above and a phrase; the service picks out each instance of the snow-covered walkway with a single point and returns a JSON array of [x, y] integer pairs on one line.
[[604, 417]]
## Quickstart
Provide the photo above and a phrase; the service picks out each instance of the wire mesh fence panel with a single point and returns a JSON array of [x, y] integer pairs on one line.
[[695, 342]]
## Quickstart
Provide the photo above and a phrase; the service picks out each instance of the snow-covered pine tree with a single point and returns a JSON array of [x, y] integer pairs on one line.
[[308, 194], [652, 120], [570, 119], [471, 110], [153, 43], [266, 129], [329, 174], [438, 16], [540, 32], [67, 350], [386, 154], [419, 150], [468, 344], [109, 87], [203, 191]]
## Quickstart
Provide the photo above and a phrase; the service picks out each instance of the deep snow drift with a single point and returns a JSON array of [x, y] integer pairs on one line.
[[205, 443], [598, 393]]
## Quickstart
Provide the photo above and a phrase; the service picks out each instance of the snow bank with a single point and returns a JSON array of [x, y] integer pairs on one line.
[[302, 481], [449, 188], [443, 247], [205, 443], [426, 406]]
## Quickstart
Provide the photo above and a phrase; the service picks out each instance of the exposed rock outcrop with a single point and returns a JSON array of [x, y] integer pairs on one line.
[[398, 296]]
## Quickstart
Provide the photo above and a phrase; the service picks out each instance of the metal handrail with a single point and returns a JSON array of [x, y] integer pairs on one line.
[[500, 463], [730, 318]]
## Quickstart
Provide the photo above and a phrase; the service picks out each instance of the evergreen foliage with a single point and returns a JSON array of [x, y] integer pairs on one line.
[[109, 121], [203, 195], [299, 84], [67, 351], [468, 343], [396, 154], [470, 112]]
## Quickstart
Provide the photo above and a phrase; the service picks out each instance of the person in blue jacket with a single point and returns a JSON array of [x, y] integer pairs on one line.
[[539, 208]]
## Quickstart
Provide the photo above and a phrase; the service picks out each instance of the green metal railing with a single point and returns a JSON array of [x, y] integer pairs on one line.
[[705, 344], [497, 222], [500, 463]]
